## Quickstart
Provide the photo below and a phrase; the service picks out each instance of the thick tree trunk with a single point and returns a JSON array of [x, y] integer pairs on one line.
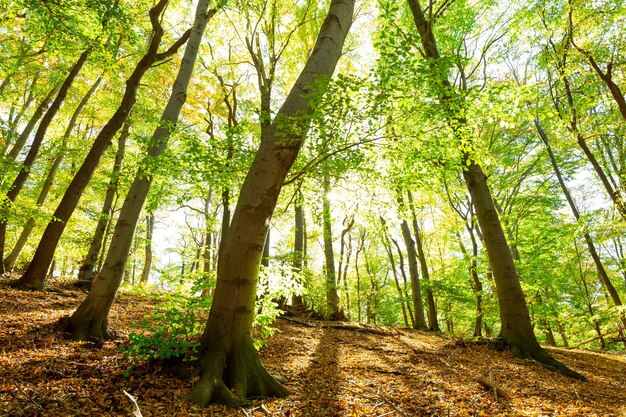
[[88, 320], [516, 328], [89, 267], [333, 310], [147, 265], [34, 277], [230, 369]]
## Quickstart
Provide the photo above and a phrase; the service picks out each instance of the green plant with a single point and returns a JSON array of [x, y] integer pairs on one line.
[[172, 330]]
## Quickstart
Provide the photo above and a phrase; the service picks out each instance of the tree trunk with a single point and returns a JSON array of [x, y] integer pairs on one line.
[[516, 327], [147, 265], [298, 248], [392, 261], [404, 282], [90, 263], [25, 169], [47, 184], [333, 310], [476, 284], [23, 137], [433, 324], [416, 291], [230, 368], [90, 320], [34, 276], [602, 274]]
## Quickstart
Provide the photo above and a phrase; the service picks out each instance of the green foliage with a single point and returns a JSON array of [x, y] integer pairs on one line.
[[171, 330]]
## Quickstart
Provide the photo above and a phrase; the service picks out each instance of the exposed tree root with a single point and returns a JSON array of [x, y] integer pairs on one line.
[[545, 360], [233, 378]]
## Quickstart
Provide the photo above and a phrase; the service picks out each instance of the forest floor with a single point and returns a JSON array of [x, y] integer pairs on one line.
[[331, 372]]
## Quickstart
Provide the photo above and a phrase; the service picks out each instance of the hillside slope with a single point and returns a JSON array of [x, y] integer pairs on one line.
[[332, 372]]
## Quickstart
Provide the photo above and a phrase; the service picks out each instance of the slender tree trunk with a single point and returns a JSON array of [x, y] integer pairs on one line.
[[91, 317], [516, 327], [147, 265], [25, 170], [433, 324], [298, 248], [47, 184], [90, 263], [28, 129], [392, 261], [34, 276], [404, 282], [333, 310], [230, 369], [476, 284], [602, 274], [416, 291]]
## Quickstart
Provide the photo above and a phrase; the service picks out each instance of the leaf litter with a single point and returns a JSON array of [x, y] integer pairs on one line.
[[331, 371]]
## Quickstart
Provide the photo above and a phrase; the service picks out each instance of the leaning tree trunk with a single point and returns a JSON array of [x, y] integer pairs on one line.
[[26, 166], [47, 184], [516, 327], [91, 317], [35, 275], [90, 263], [591, 247], [30, 126], [230, 369]]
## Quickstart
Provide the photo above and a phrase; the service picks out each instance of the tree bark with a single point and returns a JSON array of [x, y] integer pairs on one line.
[[298, 248], [433, 324], [516, 328], [230, 370], [90, 319], [35, 275], [89, 267], [147, 265], [333, 310], [416, 290]]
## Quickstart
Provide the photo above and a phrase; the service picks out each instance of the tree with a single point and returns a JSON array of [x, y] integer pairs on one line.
[[35, 275], [516, 327], [91, 317], [230, 370]]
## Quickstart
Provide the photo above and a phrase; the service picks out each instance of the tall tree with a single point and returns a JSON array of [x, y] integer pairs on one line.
[[516, 329], [35, 275], [88, 269], [91, 317], [230, 369], [25, 169]]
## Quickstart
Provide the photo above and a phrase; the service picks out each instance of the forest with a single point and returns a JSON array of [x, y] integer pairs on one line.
[[273, 208]]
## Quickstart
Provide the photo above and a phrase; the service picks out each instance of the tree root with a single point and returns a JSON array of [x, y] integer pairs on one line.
[[231, 379]]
